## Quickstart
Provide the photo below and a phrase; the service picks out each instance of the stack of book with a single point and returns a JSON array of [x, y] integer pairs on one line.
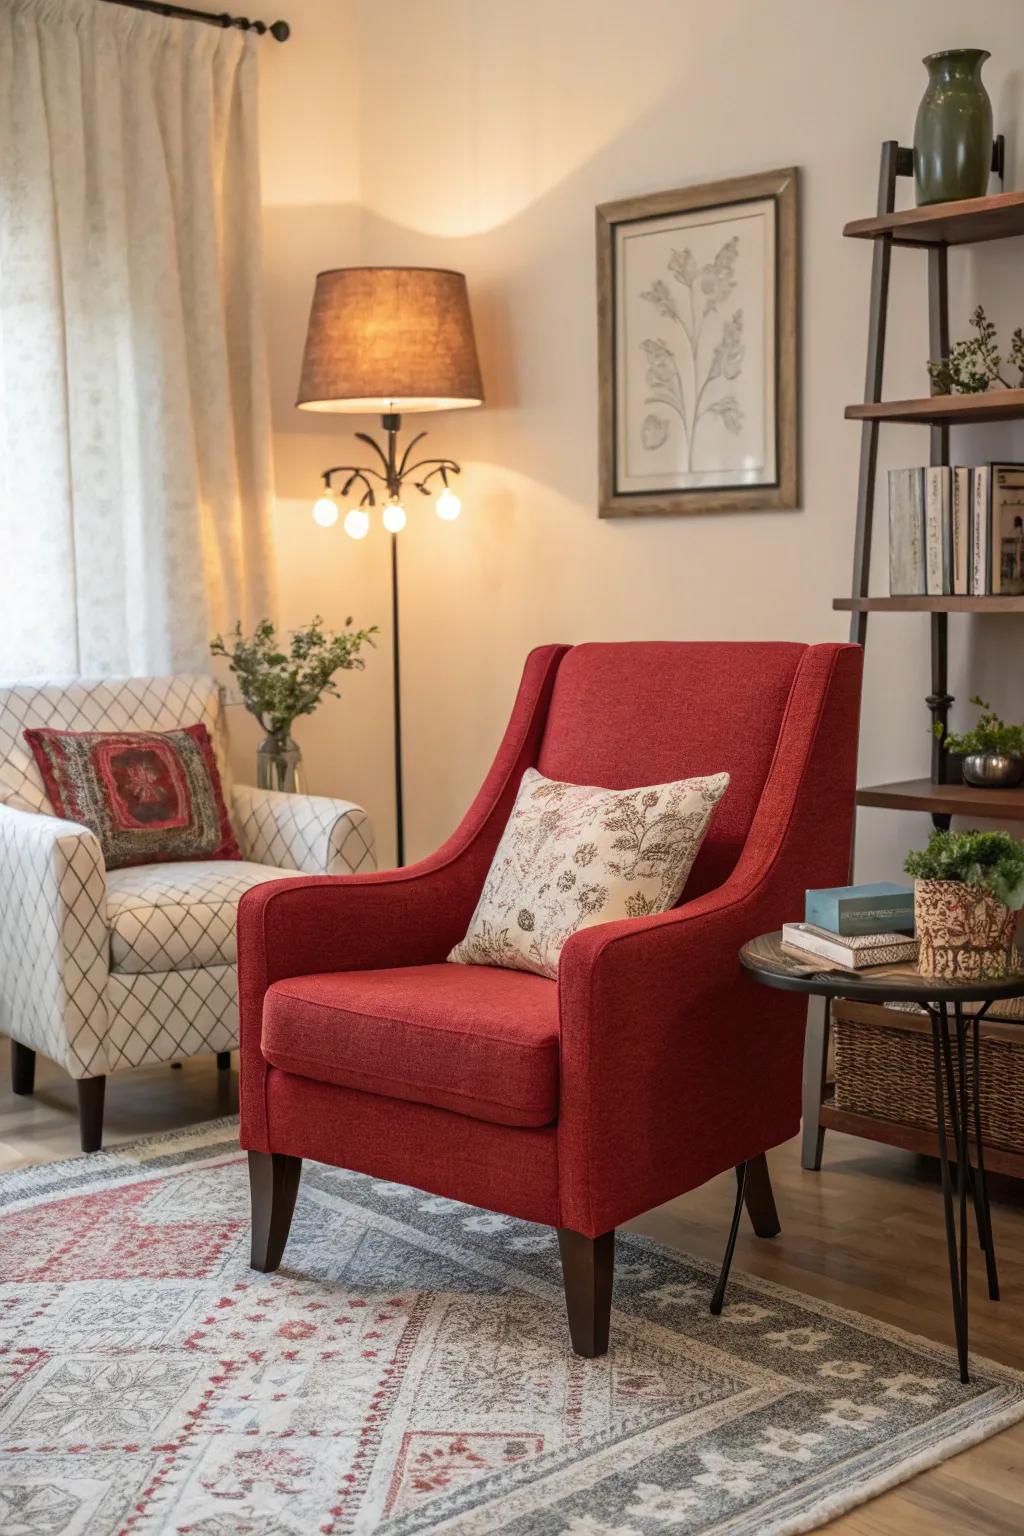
[[956, 531], [855, 927]]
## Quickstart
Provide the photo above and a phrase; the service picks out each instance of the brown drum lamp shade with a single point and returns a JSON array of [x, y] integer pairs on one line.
[[390, 340]]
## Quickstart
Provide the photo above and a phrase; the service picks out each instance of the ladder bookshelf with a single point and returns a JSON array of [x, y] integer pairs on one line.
[[933, 229]]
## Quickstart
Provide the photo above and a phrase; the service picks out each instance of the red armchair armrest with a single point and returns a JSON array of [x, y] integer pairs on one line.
[[674, 1064], [389, 918]]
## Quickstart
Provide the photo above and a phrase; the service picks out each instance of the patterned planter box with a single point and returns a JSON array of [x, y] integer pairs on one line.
[[963, 932]]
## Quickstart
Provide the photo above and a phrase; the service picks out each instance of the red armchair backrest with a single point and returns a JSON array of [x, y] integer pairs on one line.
[[644, 712]]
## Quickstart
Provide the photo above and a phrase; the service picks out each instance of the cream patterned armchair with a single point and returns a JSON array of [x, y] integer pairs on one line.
[[104, 970]]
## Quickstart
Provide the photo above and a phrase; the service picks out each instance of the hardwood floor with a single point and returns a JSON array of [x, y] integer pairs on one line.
[[866, 1232]]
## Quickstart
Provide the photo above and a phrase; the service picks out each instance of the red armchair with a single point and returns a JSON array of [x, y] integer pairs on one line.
[[653, 1063]]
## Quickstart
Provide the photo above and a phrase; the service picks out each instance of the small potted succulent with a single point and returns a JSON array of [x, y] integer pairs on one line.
[[279, 681], [992, 753], [968, 894]]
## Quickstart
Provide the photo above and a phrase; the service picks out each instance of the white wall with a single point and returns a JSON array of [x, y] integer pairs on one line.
[[310, 125], [479, 135]]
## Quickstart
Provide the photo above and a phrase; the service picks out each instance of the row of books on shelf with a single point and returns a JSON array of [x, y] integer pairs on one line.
[[855, 927], [956, 530]]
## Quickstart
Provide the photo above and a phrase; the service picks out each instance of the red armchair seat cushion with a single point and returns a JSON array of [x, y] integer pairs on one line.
[[469, 1038]]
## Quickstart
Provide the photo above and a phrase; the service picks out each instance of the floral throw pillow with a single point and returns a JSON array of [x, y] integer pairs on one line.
[[151, 797], [572, 856]]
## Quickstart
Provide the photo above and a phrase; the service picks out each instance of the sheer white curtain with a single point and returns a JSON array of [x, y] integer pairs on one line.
[[135, 468]]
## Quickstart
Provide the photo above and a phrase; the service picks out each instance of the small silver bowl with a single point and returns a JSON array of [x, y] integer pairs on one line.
[[993, 770]]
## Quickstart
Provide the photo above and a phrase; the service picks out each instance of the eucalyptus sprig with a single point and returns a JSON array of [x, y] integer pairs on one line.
[[992, 860], [280, 681], [990, 734], [973, 365]]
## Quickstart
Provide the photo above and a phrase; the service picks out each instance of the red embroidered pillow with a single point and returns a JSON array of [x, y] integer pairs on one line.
[[151, 797]]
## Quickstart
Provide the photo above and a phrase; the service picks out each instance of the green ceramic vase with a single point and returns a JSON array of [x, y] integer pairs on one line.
[[953, 132]]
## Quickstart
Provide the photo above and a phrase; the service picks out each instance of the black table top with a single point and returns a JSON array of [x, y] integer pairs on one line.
[[767, 960]]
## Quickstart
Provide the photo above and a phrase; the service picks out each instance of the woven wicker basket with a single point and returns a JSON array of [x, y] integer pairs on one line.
[[886, 1072]]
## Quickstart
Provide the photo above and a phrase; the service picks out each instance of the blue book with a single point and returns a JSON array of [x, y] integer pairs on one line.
[[852, 910]]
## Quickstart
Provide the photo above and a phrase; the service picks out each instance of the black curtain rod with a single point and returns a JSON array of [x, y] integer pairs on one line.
[[279, 30]]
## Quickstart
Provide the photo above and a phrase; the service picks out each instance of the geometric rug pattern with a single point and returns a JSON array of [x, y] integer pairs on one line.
[[408, 1369]]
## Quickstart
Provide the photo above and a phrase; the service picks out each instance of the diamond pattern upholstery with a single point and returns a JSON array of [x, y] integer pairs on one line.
[[170, 1014], [176, 917], [53, 939], [307, 832], [102, 971]]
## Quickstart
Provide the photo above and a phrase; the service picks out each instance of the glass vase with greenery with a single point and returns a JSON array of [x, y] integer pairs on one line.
[[280, 680]]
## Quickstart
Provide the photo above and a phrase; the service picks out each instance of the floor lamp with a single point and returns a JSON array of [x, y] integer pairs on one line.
[[394, 341]]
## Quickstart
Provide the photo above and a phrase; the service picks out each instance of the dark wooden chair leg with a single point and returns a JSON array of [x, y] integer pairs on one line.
[[759, 1199], [273, 1186], [23, 1068], [223, 1061], [588, 1268], [90, 1112]]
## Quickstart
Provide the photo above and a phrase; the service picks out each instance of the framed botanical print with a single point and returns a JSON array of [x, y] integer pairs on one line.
[[697, 336]]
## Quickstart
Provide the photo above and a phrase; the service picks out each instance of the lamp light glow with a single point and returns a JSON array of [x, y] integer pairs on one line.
[[448, 505], [325, 511], [393, 517], [357, 523]]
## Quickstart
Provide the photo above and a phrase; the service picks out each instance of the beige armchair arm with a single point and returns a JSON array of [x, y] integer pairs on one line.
[[314, 833], [54, 944]]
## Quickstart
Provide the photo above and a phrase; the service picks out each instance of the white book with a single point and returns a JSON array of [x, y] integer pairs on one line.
[[855, 951], [961, 529], [980, 576], [1007, 533], [906, 532], [937, 531]]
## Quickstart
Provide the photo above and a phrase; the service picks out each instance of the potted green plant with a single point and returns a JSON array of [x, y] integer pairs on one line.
[[973, 366], [279, 682], [993, 752], [968, 892]]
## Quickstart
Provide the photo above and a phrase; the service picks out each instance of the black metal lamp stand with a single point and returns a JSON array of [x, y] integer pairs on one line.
[[391, 477]]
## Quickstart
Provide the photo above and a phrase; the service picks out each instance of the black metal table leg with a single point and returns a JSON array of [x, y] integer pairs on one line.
[[958, 1083], [718, 1298], [954, 1123], [981, 1204], [940, 1050], [968, 1075]]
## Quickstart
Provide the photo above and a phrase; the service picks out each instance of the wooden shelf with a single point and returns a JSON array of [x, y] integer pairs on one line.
[[967, 222], [944, 410], [945, 604], [945, 799]]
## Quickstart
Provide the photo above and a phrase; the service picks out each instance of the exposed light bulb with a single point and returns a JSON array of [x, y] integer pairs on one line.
[[325, 511], [448, 506], [357, 523], [393, 517]]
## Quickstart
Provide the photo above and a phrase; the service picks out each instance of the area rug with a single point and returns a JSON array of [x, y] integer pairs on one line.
[[409, 1370]]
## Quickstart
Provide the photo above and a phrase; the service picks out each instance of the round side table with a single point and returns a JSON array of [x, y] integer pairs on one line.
[[956, 1068]]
